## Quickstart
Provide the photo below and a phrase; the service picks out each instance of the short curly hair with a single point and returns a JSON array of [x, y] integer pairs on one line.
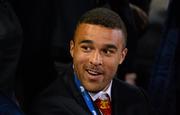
[[106, 18]]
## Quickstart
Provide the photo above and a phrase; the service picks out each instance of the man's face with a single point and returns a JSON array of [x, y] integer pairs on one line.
[[97, 51]]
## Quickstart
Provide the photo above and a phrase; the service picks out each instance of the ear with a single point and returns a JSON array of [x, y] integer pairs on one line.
[[123, 55], [72, 48]]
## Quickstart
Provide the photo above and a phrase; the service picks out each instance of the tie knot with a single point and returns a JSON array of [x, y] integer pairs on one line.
[[103, 103]]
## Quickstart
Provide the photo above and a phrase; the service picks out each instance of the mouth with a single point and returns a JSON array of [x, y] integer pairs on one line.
[[93, 72]]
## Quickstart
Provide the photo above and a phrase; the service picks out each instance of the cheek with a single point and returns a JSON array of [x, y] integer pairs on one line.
[[78, 63], [79, 59], [111, 66]]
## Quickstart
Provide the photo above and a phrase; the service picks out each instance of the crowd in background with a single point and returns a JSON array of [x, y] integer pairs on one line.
[[34, 42]]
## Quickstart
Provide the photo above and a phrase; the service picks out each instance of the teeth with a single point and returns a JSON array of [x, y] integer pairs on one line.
[[93, 72]]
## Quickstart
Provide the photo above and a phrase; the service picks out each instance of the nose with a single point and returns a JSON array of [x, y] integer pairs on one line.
[[96, 58]]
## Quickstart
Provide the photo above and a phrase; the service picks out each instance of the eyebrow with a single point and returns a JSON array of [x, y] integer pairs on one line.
[[86, 41], [111, 46]]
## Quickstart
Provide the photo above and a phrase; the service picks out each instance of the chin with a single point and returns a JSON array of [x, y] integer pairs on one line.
[[93, 89]]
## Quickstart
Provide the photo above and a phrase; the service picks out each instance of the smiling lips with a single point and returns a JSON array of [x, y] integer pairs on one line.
[[94, 74]]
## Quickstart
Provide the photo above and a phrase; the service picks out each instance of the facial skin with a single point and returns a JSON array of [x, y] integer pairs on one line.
[[97, 51]]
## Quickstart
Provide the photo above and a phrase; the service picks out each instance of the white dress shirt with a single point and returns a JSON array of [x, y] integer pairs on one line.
[[94, 96]]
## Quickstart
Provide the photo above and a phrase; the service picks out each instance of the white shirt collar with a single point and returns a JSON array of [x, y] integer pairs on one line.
[[94, 96]]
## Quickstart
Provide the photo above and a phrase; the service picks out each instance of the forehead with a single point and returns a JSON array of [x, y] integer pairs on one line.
[[98, 33]]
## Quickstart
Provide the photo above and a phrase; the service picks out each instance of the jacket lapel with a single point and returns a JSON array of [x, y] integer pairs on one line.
[[117, 99], [69, 80]]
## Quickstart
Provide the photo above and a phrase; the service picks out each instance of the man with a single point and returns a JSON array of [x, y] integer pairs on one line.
[[98, 47]]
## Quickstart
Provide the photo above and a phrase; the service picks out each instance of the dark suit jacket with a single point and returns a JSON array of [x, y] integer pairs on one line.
[[63, 98]]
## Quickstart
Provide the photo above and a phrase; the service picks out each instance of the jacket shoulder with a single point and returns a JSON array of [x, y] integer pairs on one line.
[[127, 92]]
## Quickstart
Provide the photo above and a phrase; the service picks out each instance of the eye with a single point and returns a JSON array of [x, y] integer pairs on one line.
[[108, 52], [86, 48]]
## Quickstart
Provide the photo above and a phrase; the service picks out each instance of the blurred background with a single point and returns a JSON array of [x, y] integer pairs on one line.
[[34, 43]]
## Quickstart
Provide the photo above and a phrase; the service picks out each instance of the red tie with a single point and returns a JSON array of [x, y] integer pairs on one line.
[[104, 105]]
